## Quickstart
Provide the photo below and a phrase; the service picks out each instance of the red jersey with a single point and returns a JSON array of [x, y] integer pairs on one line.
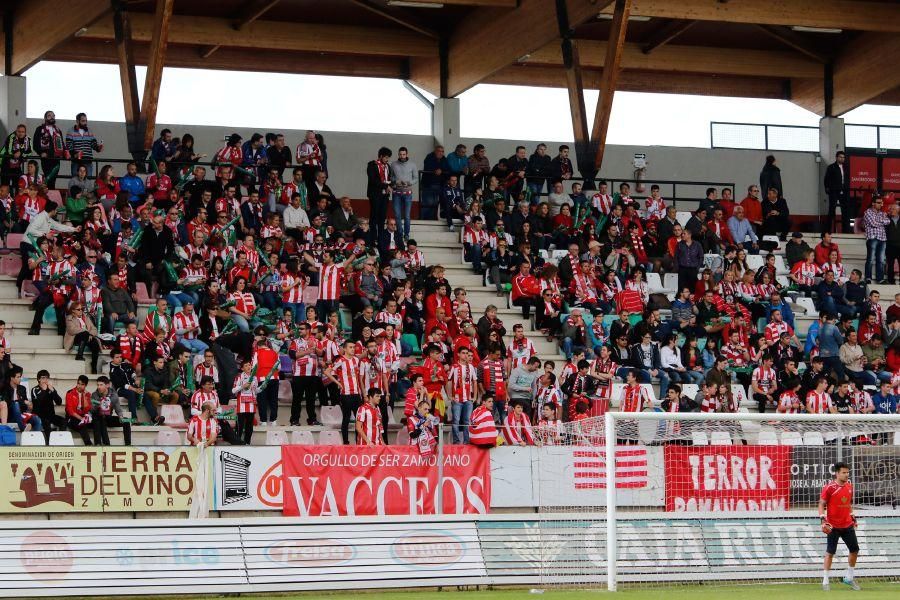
[[199, 398], [346, 371], [775, 329], [838, 504], [818, 404], [245, 398], [789, 403], [331, 280], [369, 417], [519, 351], [462, 382], [805, 272], [308, 364], [765, 379], [484, 431]]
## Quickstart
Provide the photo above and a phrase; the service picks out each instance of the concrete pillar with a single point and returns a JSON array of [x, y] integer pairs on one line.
[[831, 138], [445, 123], [12, 103]]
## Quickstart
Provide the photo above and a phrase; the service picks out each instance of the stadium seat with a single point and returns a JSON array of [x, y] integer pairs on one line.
[[739, 394], [670, 281], [330, 415], [755, 261], [791, 438], [14, 240], [174, 415], [650, 392], [168, 437], [10, 265], [61, 438], [720, 438], [330, 437], [302, 437], [402, 438], [808, 305], [813, 438], [771, 238], [698, 438], [655, 285], [143, 294], [32, 438], [781, 267], [558, 255], [285, 393], [897, 438], [767, 437], [276, 437], [783, 280], [616, 394], [683, 217]]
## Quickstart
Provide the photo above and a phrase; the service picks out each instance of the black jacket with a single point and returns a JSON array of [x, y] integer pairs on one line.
[[836, 185], [43, 401], [376, 189], [155, 245], [121, 375], [770, 177], [634, 355]]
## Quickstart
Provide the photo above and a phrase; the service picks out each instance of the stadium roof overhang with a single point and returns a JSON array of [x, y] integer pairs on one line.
[[828, 56]]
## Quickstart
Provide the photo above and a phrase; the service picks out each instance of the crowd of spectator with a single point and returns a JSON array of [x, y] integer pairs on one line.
[[225, 248]]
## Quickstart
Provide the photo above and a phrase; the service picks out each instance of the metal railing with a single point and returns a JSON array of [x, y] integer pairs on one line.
[[761, 136], [673, 191]]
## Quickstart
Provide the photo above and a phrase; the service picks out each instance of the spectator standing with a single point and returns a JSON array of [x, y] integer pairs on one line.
[[752, 206], [435, 170], [310, 157], [81, 144], [837, 187], [892, 247], [164, 147], [561, 165], [378, 191], [875, 221], [688, 260], [538, 170], [405, 179], [14, 153], [50, 145], [770, 177], [479, 169], [279, 155]]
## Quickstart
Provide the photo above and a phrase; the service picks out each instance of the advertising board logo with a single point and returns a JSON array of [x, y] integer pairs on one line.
[[235, 477], [46, 556], [432, 549], [268, 490], [311, 553]]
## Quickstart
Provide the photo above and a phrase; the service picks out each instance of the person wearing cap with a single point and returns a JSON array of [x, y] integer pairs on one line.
[[795, 250]]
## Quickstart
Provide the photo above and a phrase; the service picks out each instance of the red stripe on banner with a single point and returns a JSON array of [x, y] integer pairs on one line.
[[589, 465], [585, 454], [600, 454], [630, 463], [626, 485], [602, 474]]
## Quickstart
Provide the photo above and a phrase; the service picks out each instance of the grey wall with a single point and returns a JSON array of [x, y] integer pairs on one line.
[[348, 153]]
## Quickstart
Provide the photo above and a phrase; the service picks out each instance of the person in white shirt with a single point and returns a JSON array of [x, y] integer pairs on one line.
[[295, 218], [670, 359]]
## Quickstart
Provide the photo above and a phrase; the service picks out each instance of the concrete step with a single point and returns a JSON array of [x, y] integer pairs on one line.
[[430, 236], [59, 366]]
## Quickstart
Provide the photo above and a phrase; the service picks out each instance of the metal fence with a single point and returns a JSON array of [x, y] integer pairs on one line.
[[759, 136]]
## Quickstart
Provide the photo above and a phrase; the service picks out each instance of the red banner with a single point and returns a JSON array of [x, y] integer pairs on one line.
[[383, 480], [727, 478], [864, 172]]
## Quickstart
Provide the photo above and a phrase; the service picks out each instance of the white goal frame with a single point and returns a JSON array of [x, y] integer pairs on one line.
[[611, 419]]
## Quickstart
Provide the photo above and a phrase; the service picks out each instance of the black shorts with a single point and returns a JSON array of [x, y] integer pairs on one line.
[[849, 537]]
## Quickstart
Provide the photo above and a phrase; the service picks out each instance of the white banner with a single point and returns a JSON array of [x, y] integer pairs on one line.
[[572, 475], [247, 478]]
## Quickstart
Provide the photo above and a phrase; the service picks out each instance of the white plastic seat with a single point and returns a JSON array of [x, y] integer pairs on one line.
[[168, 437], [781, 267], [808, 305], [330, 437], [771, 238], [402, 438], [783, 280], [330, 415], [739, 394], [791, 438], [276, 437], [768, 437], [683, 217], [698, 438], [755, 261], [558, 254], [813, 438], [302, 437], [650, 392], [32, 438], [656, 286], [173, 414], [616, 394], [61, 438], [897, 438], [690, 390], [720, 438], [670, 281]]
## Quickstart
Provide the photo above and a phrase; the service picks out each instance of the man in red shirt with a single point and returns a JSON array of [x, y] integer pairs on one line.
[[836, 514]]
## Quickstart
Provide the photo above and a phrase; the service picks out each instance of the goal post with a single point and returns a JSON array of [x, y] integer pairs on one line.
[[764, 471], [666, 498]]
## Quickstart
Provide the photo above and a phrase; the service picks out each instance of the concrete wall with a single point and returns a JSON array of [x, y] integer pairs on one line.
[[348, 153]]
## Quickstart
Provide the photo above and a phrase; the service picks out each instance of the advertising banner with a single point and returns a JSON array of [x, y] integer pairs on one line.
[[810, 471], [876, 475], [56, 479], [382, 480], [727, 478], [247, 478], [863, 172]]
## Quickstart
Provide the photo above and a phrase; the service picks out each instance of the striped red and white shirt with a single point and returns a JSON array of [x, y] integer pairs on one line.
[[292, 287], [602, 202], [246, 399], [519, 351], [710, 404], [203, 370], [483, 431], [775, 329], [462, 382], [604, 386], [228, 154], [862, 401], [306, 365], [766, 379], [734, 355], [634, 399], [416, 259], [371, 372], [474, 237], [183, 322], [549, 431], [331, 280], [203, 429], [789, 402], [517, 429], [369, 417], [199, 398], [818, 404], [243, 301], [346, 371], [805, 272]]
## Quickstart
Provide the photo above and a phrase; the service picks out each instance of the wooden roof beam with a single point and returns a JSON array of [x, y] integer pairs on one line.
[[301, 37], [252, 11], [690, 59], [38, 26], [840, 14], [399, 17], [865, 70], [494, 3], [153, 80], [792, 39], [609, 79], [665, 34]]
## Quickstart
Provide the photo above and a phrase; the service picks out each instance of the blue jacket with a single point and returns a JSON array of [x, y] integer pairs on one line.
[[812, 335], [885, 405], [830, 340], [134, 185], [457, 163], [786, 313], [453, 196]]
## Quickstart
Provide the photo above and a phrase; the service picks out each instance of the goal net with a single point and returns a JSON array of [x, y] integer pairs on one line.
[[665, 498]]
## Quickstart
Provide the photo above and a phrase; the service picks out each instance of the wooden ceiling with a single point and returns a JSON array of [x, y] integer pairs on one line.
[[745, 48]]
